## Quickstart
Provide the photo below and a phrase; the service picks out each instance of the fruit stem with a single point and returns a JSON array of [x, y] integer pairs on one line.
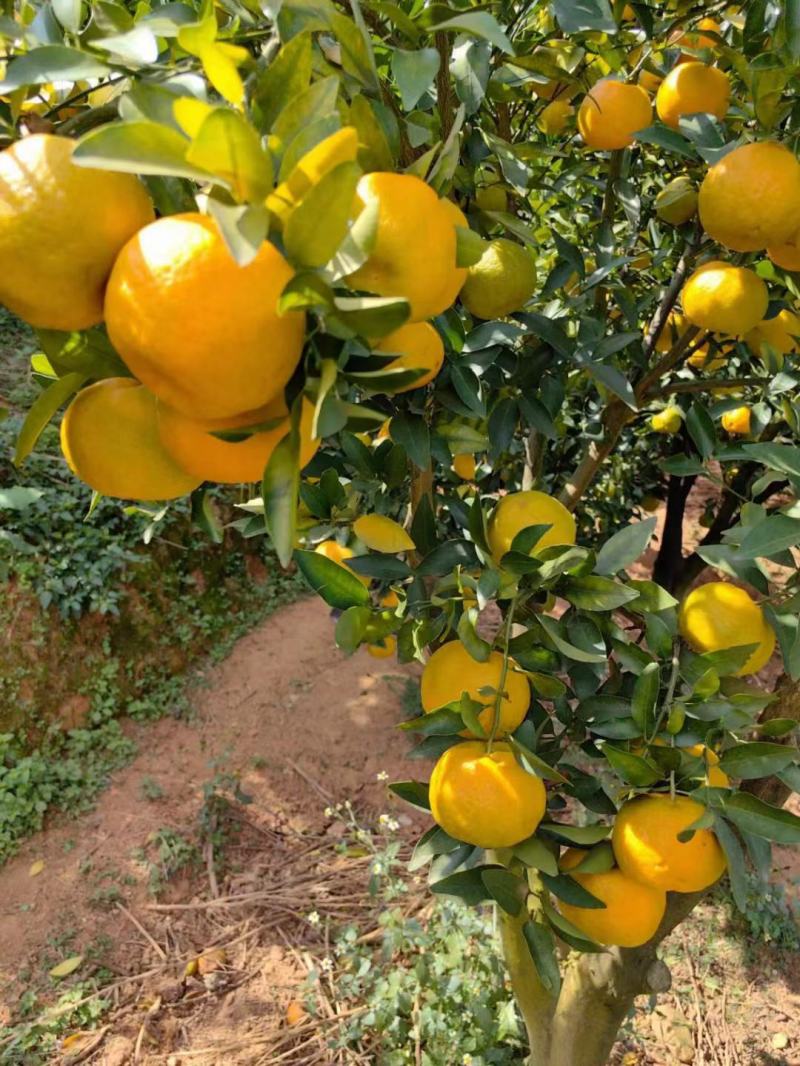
[[498, 696]]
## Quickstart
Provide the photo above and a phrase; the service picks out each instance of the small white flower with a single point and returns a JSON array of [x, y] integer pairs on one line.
[[348, 805], [329, 812], [377, 868], [381, 776], [327, 964], [466, 1059], [389, 823], [313, 918]]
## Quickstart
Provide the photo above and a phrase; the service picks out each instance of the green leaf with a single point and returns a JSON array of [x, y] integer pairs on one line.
[[533, 763], [137, 47], [434, 842], [645, 697], [205, 517], [68, 13], [371, 316], [466, 885], [227, 146], [336, 584], [447, 557], [662, 137], [625, 547], [564, 887], [567, 931], [52, 62], [470, 68], [470, 247], [506, 890], [761, 819], [597, 593], [243, 227], [443, 722], [288, 76], [319, 224], [551, 628], [536, 854], [414, 73], [701, 430], [542, 947], [632, 768], [652, 597], [412, 432], [68, 966], [757, 759], [351, 627], [775, 534], [478, 24], [576, 15], [784, 458], [598, 859], [414, 792], [582, 835], [310, 106], [790, 25], [280, 490], [737, 870], [42, 410], [137, 148]]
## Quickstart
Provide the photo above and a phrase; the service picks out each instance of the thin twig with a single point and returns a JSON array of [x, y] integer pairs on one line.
[[135, 921]]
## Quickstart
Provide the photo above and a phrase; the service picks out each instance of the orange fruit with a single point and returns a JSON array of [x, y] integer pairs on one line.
[[61, 227], [786, 256], [737, 421], [717, 616], [725, 298], [750, 199], [612, 112], [193, 445], [690, 88], [203, 333], [518, 510], [109, 437], [555, 117], [419, 347], [464, 466], [647, 848], [340, 147], [693, 38], [451, 671], [423, 272], [339, 554], [483, 798], [632, 911]]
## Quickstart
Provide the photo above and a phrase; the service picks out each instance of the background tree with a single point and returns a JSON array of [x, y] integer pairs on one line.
[[340, 175]]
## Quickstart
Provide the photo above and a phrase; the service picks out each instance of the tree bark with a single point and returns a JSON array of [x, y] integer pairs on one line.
[[579, 1028], [670, 554]]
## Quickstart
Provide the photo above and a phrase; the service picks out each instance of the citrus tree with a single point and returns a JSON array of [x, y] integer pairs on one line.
[[462, 292]]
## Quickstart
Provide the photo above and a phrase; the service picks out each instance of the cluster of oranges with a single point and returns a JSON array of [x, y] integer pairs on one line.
[[207, 344]]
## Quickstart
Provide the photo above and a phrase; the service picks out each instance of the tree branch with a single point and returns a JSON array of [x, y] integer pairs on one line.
[[444, 92]]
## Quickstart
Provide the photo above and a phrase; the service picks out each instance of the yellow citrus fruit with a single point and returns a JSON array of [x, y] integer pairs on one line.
[[555, 117], [420, 348], [715, 777], [691, 88], [701, 359], [718, 616], [649, 81], [651, 503], [632, 912], [340, 147], [109, 437], [203, 333], [667, 421], [674, 328], [492, 198], [501, 281], [423, 272], [61, 227], [464, 466], [451, 671], [737, 421], [612, 112], [382, 534], [483, 798], [694, 39], [725, 298], [193, 445], [384, 650], [786, 256], [677, 201], [751, 198], [339, 554], [390, 599], [782, 333], [647, 848], [519, 510]]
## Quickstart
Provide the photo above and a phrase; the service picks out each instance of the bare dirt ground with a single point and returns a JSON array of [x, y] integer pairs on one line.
[[303, 727]]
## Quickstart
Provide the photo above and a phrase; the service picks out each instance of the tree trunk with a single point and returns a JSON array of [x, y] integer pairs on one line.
[[598, 991], [670, 554]]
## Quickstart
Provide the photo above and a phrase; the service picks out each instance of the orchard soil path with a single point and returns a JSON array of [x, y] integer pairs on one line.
[[303, 727]]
